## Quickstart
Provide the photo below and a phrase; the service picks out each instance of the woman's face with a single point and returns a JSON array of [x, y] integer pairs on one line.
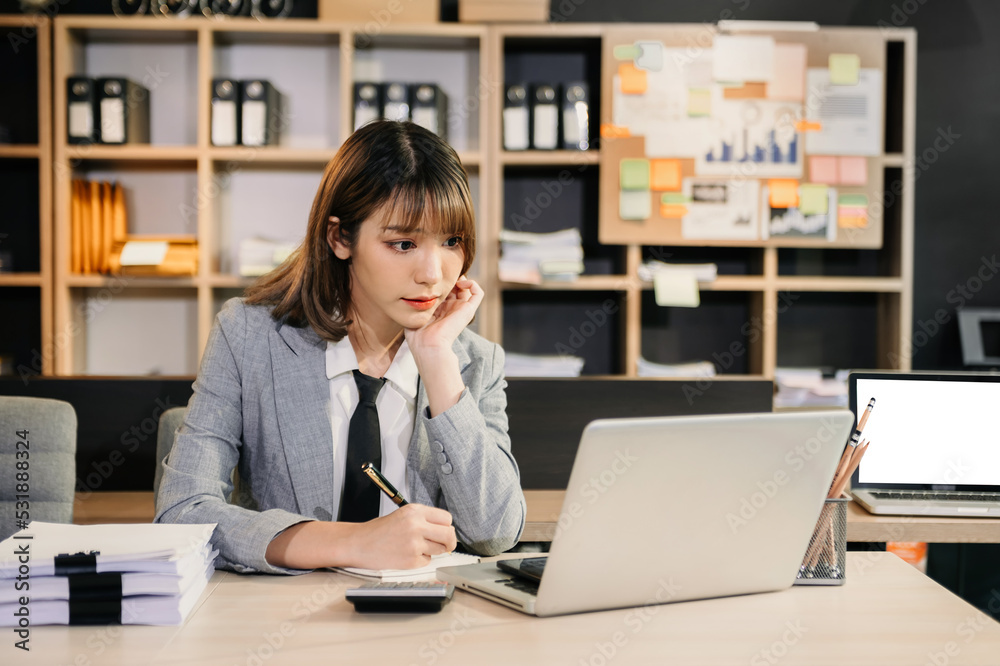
[[398, 279]]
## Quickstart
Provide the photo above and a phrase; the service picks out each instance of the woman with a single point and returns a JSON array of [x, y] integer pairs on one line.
[[379, 287]]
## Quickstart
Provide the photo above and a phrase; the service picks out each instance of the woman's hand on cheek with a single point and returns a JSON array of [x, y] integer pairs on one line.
[[449, 319]]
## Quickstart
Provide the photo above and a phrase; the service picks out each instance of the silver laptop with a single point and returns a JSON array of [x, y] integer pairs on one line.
[[678, 508], [934, 443]]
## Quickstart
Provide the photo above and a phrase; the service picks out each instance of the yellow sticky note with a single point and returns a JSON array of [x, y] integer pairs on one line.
[[814, 199], [676, 288], [783, 193], [673, 210], [844, 69], [699, 102], [665, 175], [631, 79]]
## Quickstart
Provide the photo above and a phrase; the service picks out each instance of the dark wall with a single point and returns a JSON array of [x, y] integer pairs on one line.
[[958, 95]]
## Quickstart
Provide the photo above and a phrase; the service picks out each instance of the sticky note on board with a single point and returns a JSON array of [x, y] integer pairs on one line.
[[789, 80], [813, 199], [853, 171], [677, 288], [808, 126], [699, 102], [631, 79], [743, 58], [609, 131], [650, 57], [852, 218], [633, 174], [852, 200], [750, 90], [674, 198], [823, 169], [672, 211], [627, 52], [665, 175], [844, 68], [783, 193], [635, 205]]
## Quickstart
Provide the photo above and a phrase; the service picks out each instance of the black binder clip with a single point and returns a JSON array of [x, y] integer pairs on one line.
[[77, 563]]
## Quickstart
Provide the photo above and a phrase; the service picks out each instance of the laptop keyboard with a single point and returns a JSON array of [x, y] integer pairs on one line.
[[921, 495]]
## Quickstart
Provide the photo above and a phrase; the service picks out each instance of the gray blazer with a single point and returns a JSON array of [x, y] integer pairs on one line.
[[260, 403]]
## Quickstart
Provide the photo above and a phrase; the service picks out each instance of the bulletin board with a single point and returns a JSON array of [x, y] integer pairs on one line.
[[742, 139]]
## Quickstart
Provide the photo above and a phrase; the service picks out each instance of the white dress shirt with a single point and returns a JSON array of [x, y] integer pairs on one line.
[[396, 404]]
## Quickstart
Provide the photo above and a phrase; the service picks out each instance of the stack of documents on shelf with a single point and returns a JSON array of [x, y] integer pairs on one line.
[[694, 369], [531, 258], [421, 574], [526, 365], [259, 256], [160, 256], [97, 218], [103, 574], [701, 272], [808, 387]]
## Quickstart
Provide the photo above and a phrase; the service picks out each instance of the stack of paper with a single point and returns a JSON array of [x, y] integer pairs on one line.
[[426, 573], [531, 258], [693, 369], [807, 387], [702, 272], [526, 365], [99, 574], [261, 255]]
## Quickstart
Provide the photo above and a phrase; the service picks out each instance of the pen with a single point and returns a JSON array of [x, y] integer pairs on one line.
[[383, 483]]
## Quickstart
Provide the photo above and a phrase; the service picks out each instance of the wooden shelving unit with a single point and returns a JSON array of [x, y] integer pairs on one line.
[[223, 194], [24, 311], [767, 282]]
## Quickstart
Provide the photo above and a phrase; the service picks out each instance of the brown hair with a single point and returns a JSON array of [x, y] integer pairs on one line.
[[398, 166]]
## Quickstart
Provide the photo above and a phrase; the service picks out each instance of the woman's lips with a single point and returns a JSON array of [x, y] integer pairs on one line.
[[420, 304]]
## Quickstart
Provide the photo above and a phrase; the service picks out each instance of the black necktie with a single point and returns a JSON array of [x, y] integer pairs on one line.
[[364, 444]]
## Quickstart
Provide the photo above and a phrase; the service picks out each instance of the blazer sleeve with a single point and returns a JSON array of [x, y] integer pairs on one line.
[[197, 475], [476, 470]]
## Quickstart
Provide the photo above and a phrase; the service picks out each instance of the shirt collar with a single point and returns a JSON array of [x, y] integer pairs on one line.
[[402, 372]]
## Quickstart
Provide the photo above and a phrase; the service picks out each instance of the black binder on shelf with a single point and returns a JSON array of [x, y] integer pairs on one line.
[[396, 101], [82, 121], [544, 117], [429, 108], [516, 118], [260, 113], [576, 116], [123, 109], [367, 103], [225, 112]]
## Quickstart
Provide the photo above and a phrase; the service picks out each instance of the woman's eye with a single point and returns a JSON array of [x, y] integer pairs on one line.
[[454, 241], [402, 245]]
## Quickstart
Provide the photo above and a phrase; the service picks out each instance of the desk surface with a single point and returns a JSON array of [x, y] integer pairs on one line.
[[887, 613], [544, 507]]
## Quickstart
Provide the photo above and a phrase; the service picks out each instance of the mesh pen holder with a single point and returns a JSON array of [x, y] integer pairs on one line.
[[826, 557]]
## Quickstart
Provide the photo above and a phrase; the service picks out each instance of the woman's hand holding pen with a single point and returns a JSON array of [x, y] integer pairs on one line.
[[431, 345], [407, 538]]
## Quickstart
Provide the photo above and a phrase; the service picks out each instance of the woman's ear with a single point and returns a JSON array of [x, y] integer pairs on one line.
[[340, 250]]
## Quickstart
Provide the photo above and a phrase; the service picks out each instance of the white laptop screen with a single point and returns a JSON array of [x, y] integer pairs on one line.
[[935, 432]]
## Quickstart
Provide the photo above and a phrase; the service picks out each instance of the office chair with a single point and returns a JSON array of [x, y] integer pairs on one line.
[[37, 462], [170, 421]]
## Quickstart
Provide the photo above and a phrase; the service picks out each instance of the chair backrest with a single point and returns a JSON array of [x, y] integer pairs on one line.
[[170, 421], [37, 463]]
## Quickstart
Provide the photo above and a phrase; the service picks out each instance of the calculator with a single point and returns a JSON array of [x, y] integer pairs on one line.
[[422, 597]]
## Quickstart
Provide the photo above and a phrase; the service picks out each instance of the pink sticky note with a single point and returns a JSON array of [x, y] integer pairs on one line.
[[823, 169], [789, 80], [853, 171]]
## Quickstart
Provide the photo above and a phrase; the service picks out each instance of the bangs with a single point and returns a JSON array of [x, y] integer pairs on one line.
[[435, 207]]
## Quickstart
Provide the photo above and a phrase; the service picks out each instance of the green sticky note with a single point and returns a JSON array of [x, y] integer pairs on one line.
[[844, 68], [634, 174], [627, 52], [635, 205], [813, 199], [853, 200], [674, 198]]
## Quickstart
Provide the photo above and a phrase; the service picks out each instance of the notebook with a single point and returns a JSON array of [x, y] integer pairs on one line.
[[935, 443], [676, 508]]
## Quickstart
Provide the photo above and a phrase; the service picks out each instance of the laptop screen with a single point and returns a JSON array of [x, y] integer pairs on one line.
[[933, 432]]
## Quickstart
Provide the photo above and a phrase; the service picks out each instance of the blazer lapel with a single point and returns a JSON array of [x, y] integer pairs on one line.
[[301, 397]]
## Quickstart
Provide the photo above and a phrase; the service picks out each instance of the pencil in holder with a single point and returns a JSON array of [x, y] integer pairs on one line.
[[826, 557]]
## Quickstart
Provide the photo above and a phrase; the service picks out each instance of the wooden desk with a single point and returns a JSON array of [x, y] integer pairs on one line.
[[887, 613], [544, 507]]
